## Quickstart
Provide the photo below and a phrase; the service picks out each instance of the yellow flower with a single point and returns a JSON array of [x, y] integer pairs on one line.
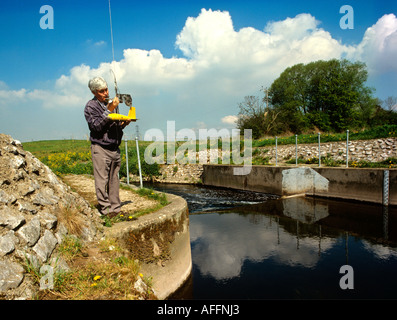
[[141, 275], [97, 278], [94, 284], [130, 217]]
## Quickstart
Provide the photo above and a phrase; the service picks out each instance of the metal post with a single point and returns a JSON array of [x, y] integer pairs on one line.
[[126, 161], [319, 150], [296, 149], [139, 162], [276, 151], [386, 187], [347, 148]]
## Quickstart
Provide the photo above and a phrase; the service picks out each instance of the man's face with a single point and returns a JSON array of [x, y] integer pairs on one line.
[[102, 95]]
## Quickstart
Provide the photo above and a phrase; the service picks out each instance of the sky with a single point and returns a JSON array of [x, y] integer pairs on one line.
[[186, 63]]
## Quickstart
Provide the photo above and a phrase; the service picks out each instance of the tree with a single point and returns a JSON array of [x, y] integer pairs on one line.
[[390, 103], [251, 116], [329, 95]]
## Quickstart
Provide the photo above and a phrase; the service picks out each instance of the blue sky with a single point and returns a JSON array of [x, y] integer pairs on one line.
[[190, 62]]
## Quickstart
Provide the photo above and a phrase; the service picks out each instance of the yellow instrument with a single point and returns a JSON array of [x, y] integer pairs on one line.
[[119, 117]]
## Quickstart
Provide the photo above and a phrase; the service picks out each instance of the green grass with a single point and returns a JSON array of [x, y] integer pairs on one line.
[[385, 131], [74, 156]]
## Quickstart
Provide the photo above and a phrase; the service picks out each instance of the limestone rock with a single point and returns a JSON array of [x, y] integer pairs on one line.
[[45, 246], [11, 275], [10, 218], [140, 286], [50, 221], [7, 243], [31, 231]]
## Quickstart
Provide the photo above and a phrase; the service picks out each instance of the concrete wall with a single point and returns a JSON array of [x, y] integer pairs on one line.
[[343, 183], [161, 242]]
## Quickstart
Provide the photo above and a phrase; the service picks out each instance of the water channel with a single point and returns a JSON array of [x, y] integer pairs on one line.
[[249, 245]]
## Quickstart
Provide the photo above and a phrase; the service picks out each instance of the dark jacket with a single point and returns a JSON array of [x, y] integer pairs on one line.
[[103, 131]]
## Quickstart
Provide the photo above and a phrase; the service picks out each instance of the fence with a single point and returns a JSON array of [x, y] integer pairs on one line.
[[319, 149]]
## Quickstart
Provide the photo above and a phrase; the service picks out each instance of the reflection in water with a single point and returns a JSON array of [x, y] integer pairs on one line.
[[219, 250], [264, 248]]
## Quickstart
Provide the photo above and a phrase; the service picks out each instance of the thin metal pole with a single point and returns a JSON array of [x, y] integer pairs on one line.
[[296, 149], [386, 179], [139, 162], [347, 148], [126, 161], [111, 29], [276, 151], [319, 150]]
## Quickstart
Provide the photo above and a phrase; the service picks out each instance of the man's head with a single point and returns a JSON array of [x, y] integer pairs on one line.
[[99, 88]]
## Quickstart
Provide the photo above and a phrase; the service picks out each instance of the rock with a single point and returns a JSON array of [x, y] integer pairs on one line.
[[45, 246], [7, 243], [45, 197], [17, 162], [140, 286], [10, 218], [30, 232], [11, 275], [50, 221], [59, 264], [7, 198], [25, 206]]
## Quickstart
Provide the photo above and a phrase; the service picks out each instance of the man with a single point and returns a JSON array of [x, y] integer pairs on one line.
[[106, 136]]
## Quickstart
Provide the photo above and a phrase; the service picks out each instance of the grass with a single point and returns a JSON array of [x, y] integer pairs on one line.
[[161, 198], [385, 131], [112, 277], [330, 162], [69, 215], [74, 156]]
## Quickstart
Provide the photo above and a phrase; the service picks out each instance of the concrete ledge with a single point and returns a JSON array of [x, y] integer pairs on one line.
[[339, 183], [161, 241]]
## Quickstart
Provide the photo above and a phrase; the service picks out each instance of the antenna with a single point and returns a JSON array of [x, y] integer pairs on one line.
[[111, 29], [126, 98]]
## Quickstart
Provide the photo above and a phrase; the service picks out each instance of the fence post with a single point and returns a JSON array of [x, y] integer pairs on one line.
[[347, 148], [296, 149], [139, 162], [126, 161], [319, 150], [276, 151]]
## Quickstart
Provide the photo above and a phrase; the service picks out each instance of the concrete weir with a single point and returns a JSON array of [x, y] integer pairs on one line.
[[368, 185], [161, 242]]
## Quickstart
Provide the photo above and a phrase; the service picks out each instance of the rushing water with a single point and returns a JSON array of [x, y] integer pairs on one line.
[[253, 246]]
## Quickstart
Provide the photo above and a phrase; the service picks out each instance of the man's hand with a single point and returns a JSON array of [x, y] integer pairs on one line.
[[125, 123], [113, 105]]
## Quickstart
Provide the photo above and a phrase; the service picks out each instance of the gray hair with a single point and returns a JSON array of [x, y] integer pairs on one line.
[[97, 83]]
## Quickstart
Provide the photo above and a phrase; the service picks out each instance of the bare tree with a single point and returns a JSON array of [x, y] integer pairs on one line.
[[390, 103]]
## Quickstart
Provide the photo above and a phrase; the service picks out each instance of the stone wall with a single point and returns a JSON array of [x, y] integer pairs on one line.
[[34, 205], [374, 150]]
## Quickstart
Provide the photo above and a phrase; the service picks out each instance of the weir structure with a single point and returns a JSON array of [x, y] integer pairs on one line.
[[161, 242], [367, 185]]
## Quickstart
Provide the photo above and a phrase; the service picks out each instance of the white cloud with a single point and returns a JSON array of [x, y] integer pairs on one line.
[[379, 46], [220, 66], [221, 254], [100, 43], [229, 119]]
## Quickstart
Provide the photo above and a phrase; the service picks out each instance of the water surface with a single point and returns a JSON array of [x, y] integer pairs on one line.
[[255, 246]]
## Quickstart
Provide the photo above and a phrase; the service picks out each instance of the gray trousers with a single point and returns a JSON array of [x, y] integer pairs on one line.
[[106, 165]]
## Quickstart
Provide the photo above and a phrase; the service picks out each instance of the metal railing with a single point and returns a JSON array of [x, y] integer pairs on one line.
[[319, 149]]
